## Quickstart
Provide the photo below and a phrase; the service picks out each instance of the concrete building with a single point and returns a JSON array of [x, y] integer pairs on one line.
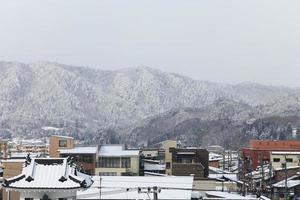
[[58, 142], [84, 157], [115, 160], [279, 158], [167, 145], [189, 161], [29, 146], [258, 151]]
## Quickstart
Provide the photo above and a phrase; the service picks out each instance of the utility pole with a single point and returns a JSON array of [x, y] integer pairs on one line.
[[155, 193], [224, 160], [100, 192], [270, 179], [228, 160], [223, 170], [285, 172], [262, 171]]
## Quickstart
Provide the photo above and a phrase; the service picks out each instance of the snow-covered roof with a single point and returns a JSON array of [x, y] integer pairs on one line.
[[13, 161], [154, 166], [290, 182], [116, 151], [226, 195], [63, 136], [79, 150], [126, 187], [49, 173], [215, 157], [24, 155], [218, 170], [285, 152]]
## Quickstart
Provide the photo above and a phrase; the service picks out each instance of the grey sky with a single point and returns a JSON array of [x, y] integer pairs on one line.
[[224, 41]]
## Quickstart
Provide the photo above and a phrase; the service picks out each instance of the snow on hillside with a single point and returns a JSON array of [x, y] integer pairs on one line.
[[51, 94]]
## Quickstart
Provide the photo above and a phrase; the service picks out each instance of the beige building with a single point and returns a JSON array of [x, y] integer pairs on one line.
[[114, 160], [150, 153], [29, 146], [59, 142], [278, 158], [168, 155]]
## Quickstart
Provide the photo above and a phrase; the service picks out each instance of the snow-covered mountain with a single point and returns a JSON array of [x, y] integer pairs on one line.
[[44, 93]]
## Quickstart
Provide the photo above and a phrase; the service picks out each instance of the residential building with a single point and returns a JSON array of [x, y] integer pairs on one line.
[[84, 157], [3, 149], [214, 159], [29, 146], [167, 145], [150, 153], [115, 160], [46, 178], [153, 166], [58, 142], [189, 161], [11, 168], [258, 152], [279, 158]]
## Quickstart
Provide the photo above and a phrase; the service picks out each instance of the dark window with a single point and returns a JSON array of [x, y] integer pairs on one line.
[[109, 162], [276, 159], [125, 162], [62, 143], [107, 173], [85, 158], [289, 160], [168, 165]]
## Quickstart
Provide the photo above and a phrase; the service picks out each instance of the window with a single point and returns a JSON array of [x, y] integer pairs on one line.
[[125, 162], [86, 158], [276, 159], [168, 165], [62, 143], [107, 173], [109, 162], [289, 160], [89, 172]]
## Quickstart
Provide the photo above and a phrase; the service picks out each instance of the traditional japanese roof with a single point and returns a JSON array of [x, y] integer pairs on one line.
[[79, 150], [116, 151], [48, 174]]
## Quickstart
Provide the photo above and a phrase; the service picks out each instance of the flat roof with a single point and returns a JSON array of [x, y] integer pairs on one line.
[[62, 136], [79, 150], [226, 195], [13, 161], [116, 151], [126, 187], [286, 152], [24, 155]]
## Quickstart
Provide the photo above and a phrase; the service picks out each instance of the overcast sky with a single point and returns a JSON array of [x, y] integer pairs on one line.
[[223, 41]]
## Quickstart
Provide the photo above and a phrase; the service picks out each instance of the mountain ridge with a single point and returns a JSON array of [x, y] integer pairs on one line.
[[46, 93]]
